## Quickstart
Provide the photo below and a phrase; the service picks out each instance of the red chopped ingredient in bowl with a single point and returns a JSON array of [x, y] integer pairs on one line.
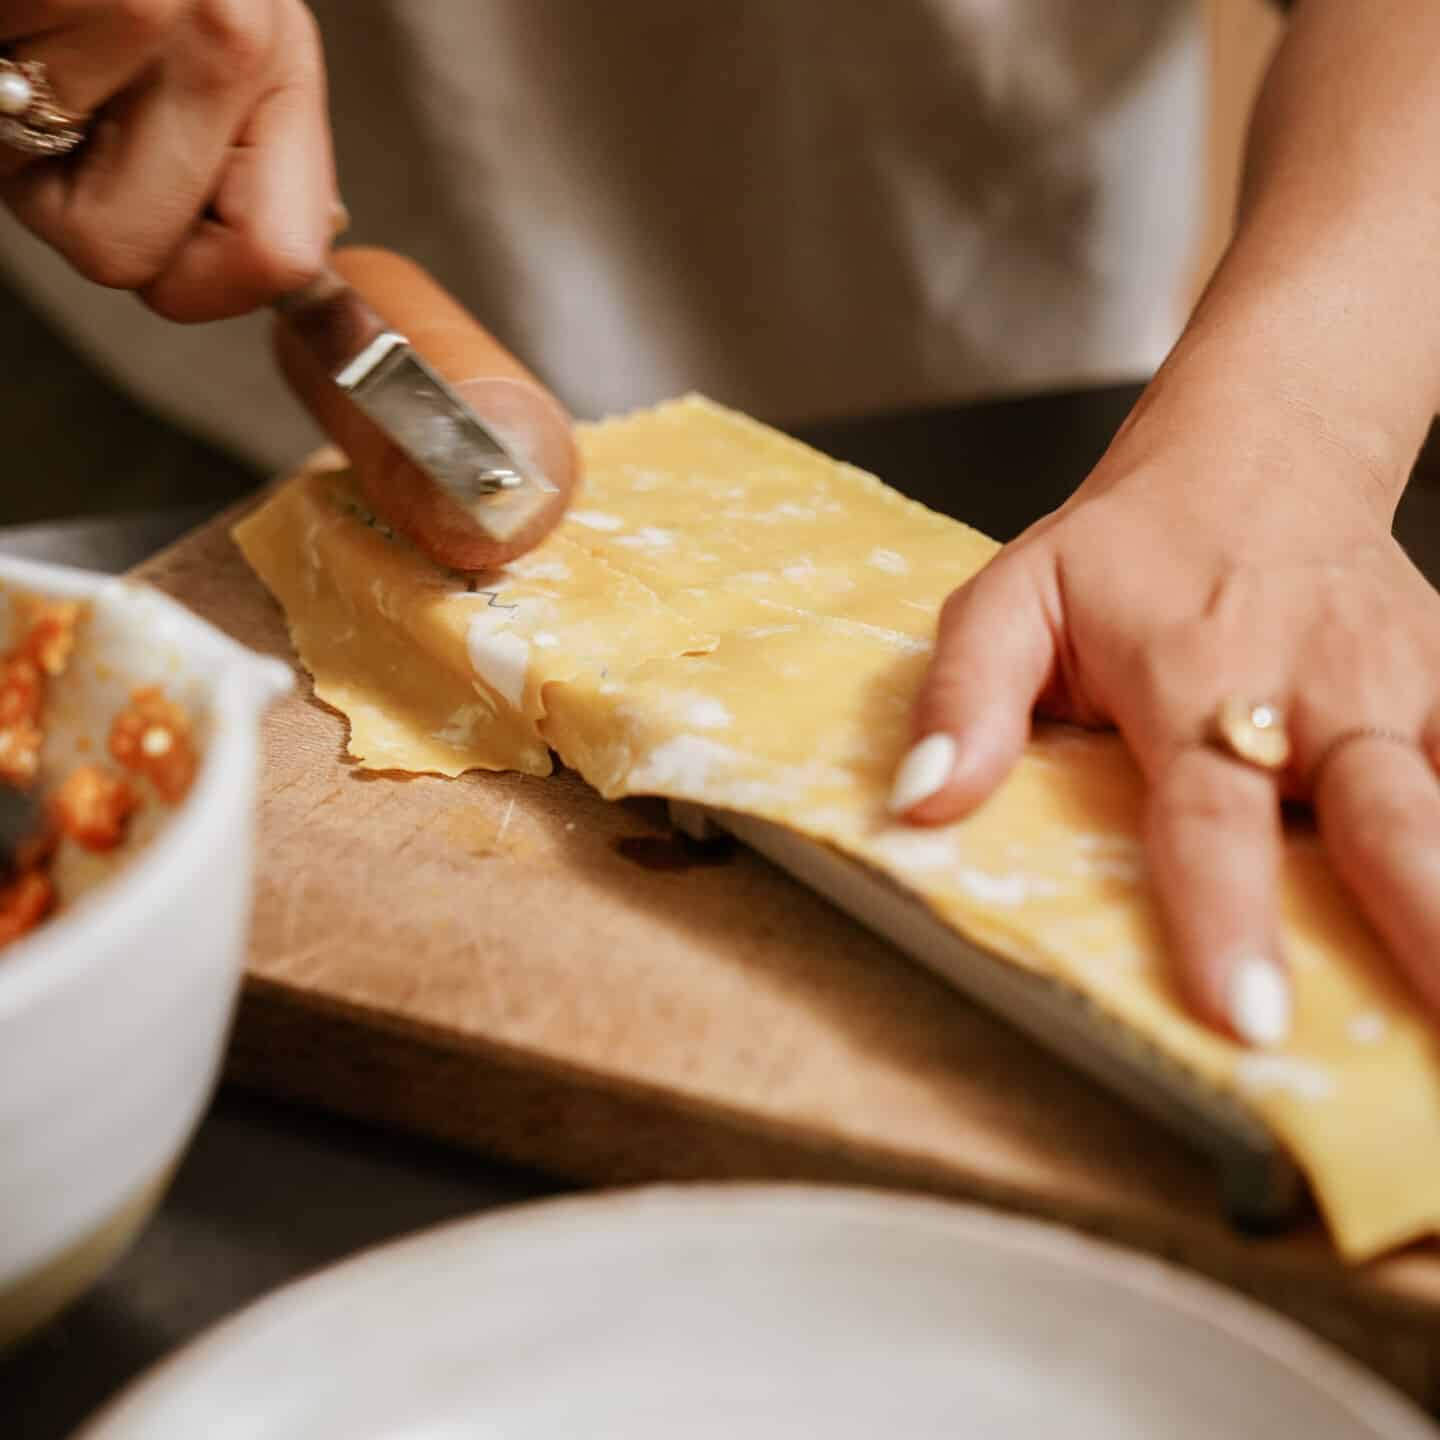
[[50, 632], [93, 805], [46, 640], [24, 902], [151, 737], [22, 694]]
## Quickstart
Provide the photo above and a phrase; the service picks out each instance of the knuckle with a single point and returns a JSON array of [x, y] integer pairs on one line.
[[237, 37], [1162, 668], [1152, 672], [996, 584], [957, 604], [146, 19]]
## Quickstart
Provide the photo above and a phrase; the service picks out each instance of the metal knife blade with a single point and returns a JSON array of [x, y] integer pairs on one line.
[[418, 411]]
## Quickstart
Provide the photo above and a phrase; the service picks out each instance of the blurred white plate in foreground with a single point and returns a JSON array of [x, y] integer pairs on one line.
[[756, 1312]]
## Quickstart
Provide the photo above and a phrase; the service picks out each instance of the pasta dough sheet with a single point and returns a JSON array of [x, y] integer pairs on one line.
[[732, 618]]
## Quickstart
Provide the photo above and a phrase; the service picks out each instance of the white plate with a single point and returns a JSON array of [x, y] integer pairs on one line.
[[756, 1312]]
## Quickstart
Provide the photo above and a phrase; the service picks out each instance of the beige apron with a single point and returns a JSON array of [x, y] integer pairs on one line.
[[805, 208]]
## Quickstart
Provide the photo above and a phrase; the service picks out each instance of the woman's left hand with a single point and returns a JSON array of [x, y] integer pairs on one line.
[[1251, 559]]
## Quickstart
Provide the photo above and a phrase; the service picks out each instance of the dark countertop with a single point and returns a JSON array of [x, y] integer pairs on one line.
[[268, 1192]]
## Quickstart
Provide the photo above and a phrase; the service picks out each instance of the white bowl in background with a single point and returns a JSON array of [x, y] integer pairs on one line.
[[715, 1312], [115, 1011]]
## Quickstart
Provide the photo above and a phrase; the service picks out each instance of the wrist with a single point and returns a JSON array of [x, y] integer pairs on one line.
[[1261, 394], [1228, 433], [1303, 339]]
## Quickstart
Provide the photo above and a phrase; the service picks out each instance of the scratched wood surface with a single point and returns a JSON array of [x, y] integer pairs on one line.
[[518, 966]]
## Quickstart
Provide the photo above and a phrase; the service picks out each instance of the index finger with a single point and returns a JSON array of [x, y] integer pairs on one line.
[[274, 208]]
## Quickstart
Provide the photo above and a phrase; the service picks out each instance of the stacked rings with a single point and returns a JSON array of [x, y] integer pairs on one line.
[[30, 119], [1255, 733]]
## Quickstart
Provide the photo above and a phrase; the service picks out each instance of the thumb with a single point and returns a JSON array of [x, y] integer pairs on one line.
[[993, 656]]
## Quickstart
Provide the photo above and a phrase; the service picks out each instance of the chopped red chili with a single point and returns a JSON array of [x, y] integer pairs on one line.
[[93, 805], [151, 737]]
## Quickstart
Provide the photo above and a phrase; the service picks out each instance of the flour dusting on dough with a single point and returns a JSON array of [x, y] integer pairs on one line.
[[776, 515], [685, 764], [596, 520], [466, 724], [648, 537], [1011, 889], [533, 569], [915, 851], [500, 659], [704, 712], [1369, 1027], [1304, 1079], [892, 562]]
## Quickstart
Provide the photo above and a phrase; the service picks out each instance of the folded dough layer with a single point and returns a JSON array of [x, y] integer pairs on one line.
[[732, 618]]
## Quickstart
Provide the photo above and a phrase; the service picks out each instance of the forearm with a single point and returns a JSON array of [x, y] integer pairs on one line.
[[1327, 303]]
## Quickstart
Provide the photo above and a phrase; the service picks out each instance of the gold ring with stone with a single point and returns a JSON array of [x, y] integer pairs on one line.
[[1251, 731], [30, 119], [1337, 743]]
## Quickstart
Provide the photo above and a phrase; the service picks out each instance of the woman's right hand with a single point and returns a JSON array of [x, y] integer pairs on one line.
[[206, 183]]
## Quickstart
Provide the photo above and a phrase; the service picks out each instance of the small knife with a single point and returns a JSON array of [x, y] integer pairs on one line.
[[418, 411]]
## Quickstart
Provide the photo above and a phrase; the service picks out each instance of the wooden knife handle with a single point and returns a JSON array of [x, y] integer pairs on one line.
[[501, 391]]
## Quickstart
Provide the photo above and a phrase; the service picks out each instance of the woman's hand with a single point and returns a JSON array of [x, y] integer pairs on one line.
[[206, 182], [1250, 557], [1235, 543]]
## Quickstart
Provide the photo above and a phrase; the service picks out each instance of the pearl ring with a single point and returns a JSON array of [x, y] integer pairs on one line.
[[30, 119], [1251, 731]]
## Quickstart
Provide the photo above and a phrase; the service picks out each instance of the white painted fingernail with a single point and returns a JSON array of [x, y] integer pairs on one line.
[[1257, 997], [923, 772]]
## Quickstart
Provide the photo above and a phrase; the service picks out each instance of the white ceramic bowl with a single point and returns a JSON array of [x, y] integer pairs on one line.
[[114, 1012]]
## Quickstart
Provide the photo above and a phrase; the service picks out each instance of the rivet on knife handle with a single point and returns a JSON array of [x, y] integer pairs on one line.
[[414, 406]]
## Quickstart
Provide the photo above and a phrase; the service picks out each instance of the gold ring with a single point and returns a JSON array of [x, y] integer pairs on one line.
[[30, 119], [1252, 731], [1348, 737]]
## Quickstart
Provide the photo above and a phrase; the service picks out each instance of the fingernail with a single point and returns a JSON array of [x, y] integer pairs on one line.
[[923, 772], [1257, 997], [339, 219]]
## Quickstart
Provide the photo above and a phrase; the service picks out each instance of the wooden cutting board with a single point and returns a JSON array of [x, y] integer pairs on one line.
[[515, 965]]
